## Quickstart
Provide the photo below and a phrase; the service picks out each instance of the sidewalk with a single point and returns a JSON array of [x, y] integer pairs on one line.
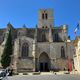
[[45, 73]]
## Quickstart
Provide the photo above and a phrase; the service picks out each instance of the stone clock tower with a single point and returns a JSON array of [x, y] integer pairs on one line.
[[46, 18]]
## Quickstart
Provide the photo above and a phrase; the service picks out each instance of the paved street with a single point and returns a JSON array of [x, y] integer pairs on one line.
[[45, 77]]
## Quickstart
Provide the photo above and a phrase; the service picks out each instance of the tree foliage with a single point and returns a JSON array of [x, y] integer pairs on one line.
[[7, 52]]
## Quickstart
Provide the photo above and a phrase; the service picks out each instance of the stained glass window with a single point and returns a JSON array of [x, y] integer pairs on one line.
[[25, 50]]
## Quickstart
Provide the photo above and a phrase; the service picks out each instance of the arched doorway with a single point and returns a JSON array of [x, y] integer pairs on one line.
[[44, 62]]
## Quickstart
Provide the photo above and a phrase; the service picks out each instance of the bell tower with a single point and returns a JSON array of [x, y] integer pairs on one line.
[[46, 19]]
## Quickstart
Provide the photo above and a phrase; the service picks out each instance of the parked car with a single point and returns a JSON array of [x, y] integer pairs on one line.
[[2, 74], [9, 71]]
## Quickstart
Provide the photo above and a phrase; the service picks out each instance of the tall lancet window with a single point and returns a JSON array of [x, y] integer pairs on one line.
[[62, 52], [42, 15], [25, 50], [46, 15]]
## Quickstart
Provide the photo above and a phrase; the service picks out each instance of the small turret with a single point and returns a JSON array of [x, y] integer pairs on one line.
[[9, 26], [24, 26], [65, 27], [68, 40]]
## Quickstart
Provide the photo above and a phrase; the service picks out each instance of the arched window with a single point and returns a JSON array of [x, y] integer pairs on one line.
[[25, 50], [43, 38], [46, 15], [62, 52], [42, 15]]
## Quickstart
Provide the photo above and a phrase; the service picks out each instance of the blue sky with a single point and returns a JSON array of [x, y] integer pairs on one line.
[[19, 12]]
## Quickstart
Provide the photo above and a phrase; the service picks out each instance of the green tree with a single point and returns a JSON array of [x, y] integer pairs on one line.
[[7, 52]]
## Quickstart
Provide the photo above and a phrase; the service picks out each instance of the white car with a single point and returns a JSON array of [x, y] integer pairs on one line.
[[2, 74]]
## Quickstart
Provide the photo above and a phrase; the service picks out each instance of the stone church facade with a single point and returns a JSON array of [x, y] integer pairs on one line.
[[43, 48]]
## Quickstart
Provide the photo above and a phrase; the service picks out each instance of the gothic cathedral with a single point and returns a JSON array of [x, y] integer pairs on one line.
[[44, 48]]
